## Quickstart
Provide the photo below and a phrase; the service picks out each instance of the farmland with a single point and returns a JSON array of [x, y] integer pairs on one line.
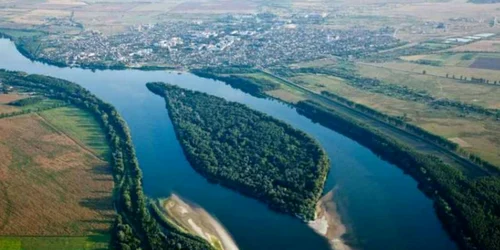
[[486, 63], [51, 166]]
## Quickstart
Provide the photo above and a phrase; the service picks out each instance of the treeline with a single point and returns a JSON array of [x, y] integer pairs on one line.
[[429, 62], [27, 101], [473, 80], [400, 92], [27, 111], [402, 124], [251, 86], [247, 150], [134, 227], [394, 121], [469, 208]]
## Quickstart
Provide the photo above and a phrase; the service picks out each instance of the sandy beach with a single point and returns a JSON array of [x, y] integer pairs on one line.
[[328, 223], [197, 221]]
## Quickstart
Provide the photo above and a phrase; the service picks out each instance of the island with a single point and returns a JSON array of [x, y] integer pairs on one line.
[[247, 150]]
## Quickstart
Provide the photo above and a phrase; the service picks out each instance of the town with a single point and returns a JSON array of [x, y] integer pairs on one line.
[[261, 40]]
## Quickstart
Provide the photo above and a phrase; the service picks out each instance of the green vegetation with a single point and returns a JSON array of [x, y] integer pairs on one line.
[[77, 124], [245, 80], [468, 207], [27, 101], [467, 203], [26, 108], [247, 150], [134, 228], [51, 243]]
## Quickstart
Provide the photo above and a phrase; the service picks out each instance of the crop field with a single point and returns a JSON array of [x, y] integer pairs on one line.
[[54, 243], [480, 46], [486, 63], [490, 75], [81, 126], [5, 99], [48, 175], [478, 135], [439, 87]]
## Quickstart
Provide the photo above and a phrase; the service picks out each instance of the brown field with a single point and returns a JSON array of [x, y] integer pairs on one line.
[[5, 99], [50, 185], [486, 63], [480, 46], [219, 6], [491, 75], [38, 16]]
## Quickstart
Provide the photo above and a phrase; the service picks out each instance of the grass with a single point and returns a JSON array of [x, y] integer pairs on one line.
[[81, 126], [491, 75], [54, 243], [439, 87]]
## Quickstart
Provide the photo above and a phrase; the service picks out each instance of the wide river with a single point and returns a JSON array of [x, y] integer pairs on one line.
[[381, 206]]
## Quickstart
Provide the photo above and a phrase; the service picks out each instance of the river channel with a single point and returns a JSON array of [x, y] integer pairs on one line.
[[380, 205]]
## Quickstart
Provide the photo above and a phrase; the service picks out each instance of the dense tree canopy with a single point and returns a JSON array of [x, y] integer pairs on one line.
[[134, 227], [468, 206], [247, 150]]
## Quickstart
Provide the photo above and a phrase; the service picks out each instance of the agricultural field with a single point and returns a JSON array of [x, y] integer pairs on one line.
[[5, 99], [81, 126], [486, 63], [48, 163], [492, 45], [457, 71], [439, 87], [475, 134]]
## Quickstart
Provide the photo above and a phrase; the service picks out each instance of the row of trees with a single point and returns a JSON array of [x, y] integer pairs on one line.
[[468, 207], [251, 86], [247, 150], [399, 92], [27, 101], [27, 111], [134, 227]]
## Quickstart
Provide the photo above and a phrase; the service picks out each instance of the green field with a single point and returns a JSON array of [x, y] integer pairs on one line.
[[439, 87], [54, 243], [76, 123]]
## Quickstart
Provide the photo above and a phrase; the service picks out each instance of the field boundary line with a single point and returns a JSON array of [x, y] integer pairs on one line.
[[77, 142]]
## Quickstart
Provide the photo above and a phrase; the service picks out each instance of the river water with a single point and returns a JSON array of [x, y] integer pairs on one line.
[[381, 206]]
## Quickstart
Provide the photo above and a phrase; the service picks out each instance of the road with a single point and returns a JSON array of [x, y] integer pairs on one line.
[[415, 141]]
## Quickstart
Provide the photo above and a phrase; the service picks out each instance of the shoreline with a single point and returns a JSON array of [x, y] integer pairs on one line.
[[197, 221], [328, 222]]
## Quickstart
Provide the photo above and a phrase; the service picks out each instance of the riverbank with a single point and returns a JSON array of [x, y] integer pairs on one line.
[[328, 222], [370, 186], [194, 220]]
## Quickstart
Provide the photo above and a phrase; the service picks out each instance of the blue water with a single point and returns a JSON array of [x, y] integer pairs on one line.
[[381, 206]]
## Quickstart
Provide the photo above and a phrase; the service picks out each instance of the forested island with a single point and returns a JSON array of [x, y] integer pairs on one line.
[[134, 227], [247, 150], [467, 205]]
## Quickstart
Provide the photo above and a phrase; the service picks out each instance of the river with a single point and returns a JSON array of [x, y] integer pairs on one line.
[[381, 206]]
